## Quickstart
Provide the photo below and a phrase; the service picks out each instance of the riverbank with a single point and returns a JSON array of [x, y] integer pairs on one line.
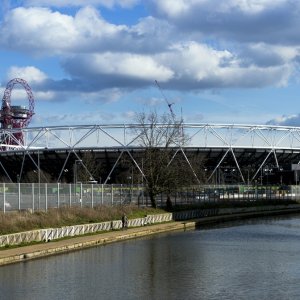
[[18, 221], [20, 254]]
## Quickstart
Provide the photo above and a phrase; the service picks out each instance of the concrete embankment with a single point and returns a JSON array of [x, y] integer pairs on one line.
[[13, 255]]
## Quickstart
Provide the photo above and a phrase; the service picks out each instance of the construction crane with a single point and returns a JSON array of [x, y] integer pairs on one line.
[[165, 98]]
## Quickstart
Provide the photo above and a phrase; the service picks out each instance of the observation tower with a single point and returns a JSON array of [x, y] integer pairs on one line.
[[13, 117]]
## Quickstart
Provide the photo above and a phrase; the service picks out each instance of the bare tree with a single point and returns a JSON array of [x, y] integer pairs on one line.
[[161, 137], [35, 176], [88, 168]]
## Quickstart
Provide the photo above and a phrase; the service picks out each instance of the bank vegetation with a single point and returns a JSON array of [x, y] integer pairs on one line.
[[12, 222], [15, 221]]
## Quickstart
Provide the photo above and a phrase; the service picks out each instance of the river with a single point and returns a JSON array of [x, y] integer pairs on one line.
[[249, 259]]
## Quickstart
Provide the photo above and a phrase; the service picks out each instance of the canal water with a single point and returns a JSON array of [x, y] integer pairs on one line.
[[250, 259]]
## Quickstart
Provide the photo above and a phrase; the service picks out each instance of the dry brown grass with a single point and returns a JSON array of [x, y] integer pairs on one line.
[[22, 221]]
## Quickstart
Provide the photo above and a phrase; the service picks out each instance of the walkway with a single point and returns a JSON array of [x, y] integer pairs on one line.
[[13, 255], [20, 254]]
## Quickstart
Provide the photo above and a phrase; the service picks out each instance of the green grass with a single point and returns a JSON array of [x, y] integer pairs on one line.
[[12, 222]]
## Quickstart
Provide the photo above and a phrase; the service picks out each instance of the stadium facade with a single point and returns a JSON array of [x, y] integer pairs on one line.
[[228, 153]]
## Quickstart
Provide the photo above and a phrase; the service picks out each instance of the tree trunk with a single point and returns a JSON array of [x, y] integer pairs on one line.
[[152, 199], [169, 203]]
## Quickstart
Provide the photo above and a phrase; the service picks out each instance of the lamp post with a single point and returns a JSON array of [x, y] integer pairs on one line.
[[248, 177], [77, 163], [38, 172], [280, 170], [268, 172], [39, 180]]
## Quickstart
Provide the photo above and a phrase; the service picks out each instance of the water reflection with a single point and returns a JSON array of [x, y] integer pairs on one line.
[[241, 260]]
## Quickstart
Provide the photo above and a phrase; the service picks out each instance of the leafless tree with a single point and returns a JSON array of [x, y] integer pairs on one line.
[[88, 168], [37, 176], [164, 164]]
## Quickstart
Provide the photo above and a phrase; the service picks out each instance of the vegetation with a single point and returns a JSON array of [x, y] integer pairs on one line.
[[12, 222], [165, 166], [23, 221]]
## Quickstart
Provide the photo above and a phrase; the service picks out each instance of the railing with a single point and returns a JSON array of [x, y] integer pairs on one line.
[[34, 196]]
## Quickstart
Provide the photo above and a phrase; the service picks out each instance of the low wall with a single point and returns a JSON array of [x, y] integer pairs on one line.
[[209, 212], [49, 234], [77, 230]]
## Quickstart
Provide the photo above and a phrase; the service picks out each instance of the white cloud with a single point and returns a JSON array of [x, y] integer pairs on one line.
[[100, 56], [105, 96], [196, 61], [19, 94], [198, 64], [174, 8], [42, 31], [183, 66], [44, 96], [30, 73], [37, 29], [255, 76], [284, 120], [267, 21], [270, 57], [178, 8], [140, 67], [64, 3], [252, 6]]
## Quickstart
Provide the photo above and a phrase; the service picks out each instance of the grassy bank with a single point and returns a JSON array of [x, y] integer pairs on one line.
[[22, 221], [12, 222]]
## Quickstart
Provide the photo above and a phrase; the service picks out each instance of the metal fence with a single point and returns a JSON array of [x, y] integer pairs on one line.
[[34, 196]]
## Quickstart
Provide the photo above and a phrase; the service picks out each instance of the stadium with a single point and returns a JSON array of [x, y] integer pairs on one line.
[[229, 153]]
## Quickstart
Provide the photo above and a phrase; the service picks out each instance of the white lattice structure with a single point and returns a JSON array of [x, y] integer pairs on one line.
[[276, 143]]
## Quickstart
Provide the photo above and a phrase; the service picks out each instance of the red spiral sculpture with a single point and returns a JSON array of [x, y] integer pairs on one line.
[[15, 117]]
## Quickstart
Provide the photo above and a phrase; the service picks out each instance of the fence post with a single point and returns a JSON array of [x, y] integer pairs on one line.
[[81, 200], [32, 189], [102, 193], [92, 196], [19, 195], [112, 194], [121, 193], [46, 196], [4, 202], [70, 194], [58, 195]]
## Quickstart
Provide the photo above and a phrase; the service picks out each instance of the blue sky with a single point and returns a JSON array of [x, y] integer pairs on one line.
[[94, 62]]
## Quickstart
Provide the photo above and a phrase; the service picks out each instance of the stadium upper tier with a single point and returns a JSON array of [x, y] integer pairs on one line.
[[126, 135], [246, 148]]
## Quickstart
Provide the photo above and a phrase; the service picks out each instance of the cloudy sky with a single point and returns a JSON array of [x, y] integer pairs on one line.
[[96, 61]]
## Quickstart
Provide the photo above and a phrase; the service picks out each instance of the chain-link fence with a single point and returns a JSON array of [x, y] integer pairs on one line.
[[34, 196]]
